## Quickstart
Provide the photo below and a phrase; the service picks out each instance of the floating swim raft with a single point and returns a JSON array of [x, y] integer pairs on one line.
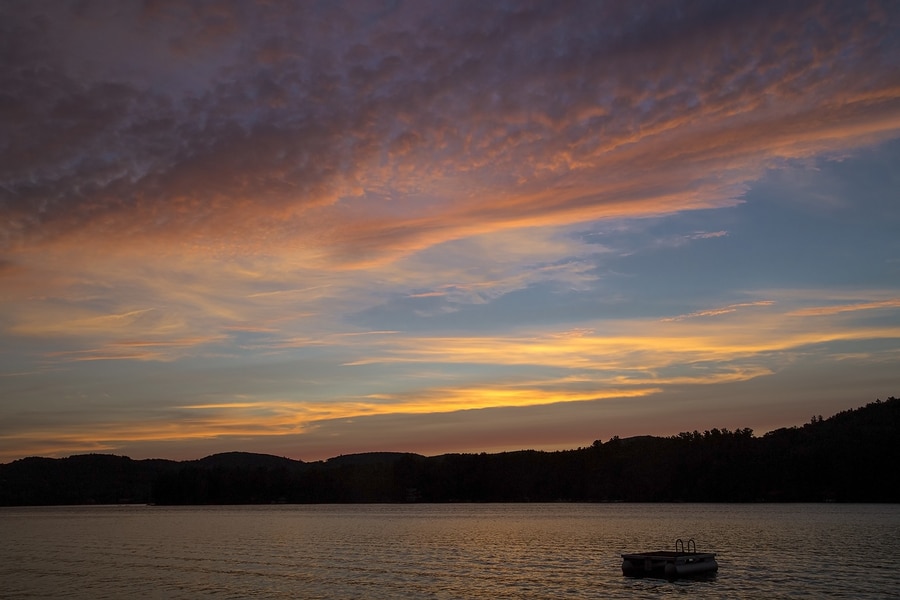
[[684, 561]]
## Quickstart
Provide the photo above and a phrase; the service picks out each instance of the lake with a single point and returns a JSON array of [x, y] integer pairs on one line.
[[443, 551]]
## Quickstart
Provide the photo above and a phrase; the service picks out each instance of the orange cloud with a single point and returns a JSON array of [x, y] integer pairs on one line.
[[603, 130], [720, 311], [824, 311]]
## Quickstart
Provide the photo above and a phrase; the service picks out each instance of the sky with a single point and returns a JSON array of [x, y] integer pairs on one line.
[[319, 228]]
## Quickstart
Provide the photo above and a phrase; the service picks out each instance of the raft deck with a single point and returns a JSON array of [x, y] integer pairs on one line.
[[670, 564]]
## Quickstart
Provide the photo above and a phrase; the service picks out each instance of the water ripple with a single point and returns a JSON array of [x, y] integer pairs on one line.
[[499, 551]]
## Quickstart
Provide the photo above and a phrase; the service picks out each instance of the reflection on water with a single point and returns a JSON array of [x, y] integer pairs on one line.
[[443, 551]]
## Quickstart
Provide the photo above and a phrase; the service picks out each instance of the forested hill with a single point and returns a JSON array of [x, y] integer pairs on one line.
[[850, 457]]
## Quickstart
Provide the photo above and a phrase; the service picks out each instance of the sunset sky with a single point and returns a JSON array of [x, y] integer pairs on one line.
[[318, 228]]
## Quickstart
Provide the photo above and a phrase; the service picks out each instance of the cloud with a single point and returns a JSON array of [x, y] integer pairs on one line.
[[705, 235], [739, 342], [713, 312], [608, 361], [471, 118], [822, 311]]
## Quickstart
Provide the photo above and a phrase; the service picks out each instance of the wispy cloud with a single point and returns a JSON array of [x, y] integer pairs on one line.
[[706, 235], [713, 312], [823, 311]]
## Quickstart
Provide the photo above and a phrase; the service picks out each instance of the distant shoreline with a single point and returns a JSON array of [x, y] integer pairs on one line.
[[825, 460]]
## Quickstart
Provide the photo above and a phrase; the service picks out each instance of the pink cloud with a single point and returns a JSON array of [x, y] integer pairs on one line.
[[509, 117]]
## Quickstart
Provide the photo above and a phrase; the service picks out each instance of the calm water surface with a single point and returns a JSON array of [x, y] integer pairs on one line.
[[466, 551]]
